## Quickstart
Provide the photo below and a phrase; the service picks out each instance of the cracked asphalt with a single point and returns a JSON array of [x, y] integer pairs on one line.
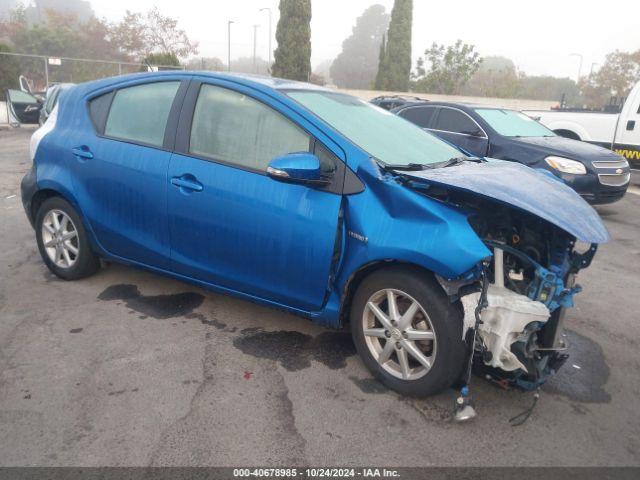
[[128, 368]]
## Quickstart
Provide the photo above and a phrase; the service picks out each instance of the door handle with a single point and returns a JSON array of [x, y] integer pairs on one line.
[[631, 124], [188, 182], [82, 152]]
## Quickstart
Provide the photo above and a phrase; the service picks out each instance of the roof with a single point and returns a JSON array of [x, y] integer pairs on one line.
[[243, 78], [461, 105]]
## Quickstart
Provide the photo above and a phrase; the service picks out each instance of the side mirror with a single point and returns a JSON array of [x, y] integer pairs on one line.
[[301, 168]]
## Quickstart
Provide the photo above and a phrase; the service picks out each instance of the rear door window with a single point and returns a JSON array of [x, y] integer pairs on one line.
[[421, 116], [139, 114], [450, 120]]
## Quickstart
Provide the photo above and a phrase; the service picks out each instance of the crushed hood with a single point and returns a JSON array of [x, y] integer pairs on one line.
[[524, 188]]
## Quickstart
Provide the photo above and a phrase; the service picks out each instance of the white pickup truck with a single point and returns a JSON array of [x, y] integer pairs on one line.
[[618, 132]]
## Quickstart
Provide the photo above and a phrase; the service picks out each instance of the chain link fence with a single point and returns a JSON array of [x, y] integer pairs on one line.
[[41, 71]]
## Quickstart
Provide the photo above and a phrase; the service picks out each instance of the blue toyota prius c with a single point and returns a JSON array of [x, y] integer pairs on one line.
[[310, 200]]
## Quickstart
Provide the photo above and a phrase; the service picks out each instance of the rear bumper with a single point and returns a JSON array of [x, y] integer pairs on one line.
[[28, 188]]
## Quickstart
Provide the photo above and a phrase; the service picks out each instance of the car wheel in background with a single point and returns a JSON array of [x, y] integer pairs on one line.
[[62, 240], [407, 332]]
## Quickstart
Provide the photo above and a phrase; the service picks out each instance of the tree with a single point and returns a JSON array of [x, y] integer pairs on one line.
[[496, 77], [292, 58], [394, 65], [357, 64], [9, 70], [139, 35], [323, 69], [449, 69], [133, 39], [213, 64], [80, 9], [545, 87], [61, 35], [162, 60], [6, 7], [619, 73]]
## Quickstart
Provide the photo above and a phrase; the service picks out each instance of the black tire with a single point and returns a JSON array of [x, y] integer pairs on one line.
[[86, 262], [446, 321]]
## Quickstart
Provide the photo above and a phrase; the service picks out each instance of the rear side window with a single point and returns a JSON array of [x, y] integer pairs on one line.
[[234, 128], [140, 113], [421, 116], [99, 109], [450, 120]]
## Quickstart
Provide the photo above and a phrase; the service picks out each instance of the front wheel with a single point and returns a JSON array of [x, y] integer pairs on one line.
[[407, 332], [63, 242]]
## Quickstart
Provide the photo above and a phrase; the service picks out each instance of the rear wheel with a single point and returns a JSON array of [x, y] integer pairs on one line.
[[407, 332], [62, 240]]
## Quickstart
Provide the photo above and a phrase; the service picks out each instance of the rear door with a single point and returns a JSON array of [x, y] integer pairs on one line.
[[121, 164], [458, 128], [24, 106], [231, 225]]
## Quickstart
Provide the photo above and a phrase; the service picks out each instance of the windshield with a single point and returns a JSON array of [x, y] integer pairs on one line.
[[513, 124], [384, 136]]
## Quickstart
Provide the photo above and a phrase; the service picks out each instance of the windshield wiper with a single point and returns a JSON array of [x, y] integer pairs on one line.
[[428, 166], [404, 166], [448, 163]]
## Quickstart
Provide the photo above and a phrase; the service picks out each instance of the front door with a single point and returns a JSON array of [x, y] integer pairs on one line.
[[24, 106], [235, 227], [461, 130]]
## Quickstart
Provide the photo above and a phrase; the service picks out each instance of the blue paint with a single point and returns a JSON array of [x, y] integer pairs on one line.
[[238, 231], [525, 188], [298, 167]]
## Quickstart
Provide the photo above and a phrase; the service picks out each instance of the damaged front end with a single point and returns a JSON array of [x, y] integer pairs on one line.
[[541, 234], [519, 341]]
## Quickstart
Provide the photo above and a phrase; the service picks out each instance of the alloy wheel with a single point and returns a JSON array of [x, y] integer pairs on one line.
[[399, 334], [60, 238]]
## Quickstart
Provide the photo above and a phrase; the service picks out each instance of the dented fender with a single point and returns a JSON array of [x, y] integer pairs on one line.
[[389, 222]]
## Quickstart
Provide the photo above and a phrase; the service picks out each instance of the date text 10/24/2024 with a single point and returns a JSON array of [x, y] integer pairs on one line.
[[316, 472]]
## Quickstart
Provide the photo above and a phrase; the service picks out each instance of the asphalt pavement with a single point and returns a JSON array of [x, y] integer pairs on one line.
[[130, 368]]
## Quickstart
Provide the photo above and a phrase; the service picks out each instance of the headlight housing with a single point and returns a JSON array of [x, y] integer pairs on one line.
[[565, 165]]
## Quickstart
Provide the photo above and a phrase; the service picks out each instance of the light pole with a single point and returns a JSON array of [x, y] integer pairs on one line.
[[255, 29], [229, 45], [268, 10], [580, 65]]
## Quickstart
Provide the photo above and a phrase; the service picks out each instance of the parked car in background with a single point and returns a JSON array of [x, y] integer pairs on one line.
[[316, 202], [617, 132], [597, 174], [24, 107], [51, 100], [389, 102]]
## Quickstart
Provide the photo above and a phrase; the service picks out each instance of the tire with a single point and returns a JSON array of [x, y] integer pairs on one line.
[[434, 317], [79, 261]]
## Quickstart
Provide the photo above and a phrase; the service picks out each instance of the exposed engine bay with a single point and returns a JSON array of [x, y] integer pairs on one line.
[[538, 234], [531, 281]]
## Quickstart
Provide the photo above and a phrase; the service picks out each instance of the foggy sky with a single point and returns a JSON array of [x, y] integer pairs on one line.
[[538, 36]]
